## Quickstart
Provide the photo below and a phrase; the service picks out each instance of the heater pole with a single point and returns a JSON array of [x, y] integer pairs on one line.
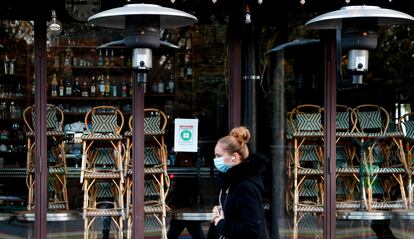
[[138, 154]]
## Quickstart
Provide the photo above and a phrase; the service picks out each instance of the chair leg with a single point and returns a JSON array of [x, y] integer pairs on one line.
[[85, 227]]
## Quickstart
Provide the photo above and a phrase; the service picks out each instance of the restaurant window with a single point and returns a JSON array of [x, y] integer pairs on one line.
[[16, 79], [89, 93], [372, 178]]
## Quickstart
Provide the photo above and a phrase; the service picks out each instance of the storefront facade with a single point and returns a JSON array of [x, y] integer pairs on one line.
[[251, 63]]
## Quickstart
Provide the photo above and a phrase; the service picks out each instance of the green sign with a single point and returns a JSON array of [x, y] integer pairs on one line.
[[186, 135]]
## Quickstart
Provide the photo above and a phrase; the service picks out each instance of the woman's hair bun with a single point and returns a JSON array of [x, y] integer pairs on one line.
[[242, 134]]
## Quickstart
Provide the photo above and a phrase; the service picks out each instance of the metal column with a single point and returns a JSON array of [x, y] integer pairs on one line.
[[328, 39], [41, 171]]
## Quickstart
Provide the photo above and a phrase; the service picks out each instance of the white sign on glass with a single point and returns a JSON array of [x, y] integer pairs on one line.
[[186, 135]]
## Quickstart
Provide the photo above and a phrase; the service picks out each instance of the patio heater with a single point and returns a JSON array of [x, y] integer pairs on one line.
[[357, 32], [142, 24]]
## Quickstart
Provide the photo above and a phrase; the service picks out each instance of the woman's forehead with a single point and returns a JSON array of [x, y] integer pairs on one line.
[[219, 148]]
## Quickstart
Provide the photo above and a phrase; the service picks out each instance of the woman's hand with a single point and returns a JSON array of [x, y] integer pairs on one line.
[[217, 214]]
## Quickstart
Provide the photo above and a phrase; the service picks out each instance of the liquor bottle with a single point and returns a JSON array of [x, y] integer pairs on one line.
[[19, 91], [68, 57], [54, 86], [68, 88], [106, 58], [121, 60], [160, 86], [100, 59], [102, 86], [171, 84], [124, 89], [93, 87], [112, 59], [114, 90], [188, 67], [189, 73], [76, 88], [131, 87], [85, 89], [107, 86], [61, 88], [129, 61]]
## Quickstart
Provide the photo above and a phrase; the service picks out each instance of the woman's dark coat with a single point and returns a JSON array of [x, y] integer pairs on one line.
[[241, 199]]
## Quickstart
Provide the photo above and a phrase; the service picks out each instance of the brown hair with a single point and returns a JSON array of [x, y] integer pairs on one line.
[[236, 141]]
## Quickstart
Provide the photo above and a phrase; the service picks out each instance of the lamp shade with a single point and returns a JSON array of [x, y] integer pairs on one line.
[[168, 17], [382, 16]]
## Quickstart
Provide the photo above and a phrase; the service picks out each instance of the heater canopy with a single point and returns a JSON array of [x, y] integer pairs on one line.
[[168, 17], [382, 16]]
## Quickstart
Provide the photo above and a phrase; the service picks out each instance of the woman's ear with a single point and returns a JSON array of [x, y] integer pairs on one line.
[[235, 157]]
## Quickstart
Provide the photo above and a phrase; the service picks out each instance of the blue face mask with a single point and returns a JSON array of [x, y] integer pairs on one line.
[[219, 163]]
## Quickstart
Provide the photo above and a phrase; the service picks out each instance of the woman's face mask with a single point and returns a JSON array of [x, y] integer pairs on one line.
[[219, 163]]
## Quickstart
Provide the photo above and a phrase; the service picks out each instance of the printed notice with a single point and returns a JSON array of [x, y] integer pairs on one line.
[[186, 135]]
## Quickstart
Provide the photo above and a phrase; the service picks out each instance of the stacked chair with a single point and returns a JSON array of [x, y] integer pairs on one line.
[[378, 170], [346, 166], [371, 159], [102, 172], [307, 137], [156, 182], [56, 157], [405, 149]]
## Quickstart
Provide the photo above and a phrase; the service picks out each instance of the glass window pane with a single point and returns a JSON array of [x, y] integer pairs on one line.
[[91, 184], [16, 77]]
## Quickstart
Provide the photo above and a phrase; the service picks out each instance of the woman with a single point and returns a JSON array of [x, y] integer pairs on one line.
[[240, 213]]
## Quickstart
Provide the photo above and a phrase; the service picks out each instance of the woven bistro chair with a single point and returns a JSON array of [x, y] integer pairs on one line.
[[156, 183], [405, 148], [102, 172], [382, 175], [308, 159], [56, 157], [372, 123], [346, 172]]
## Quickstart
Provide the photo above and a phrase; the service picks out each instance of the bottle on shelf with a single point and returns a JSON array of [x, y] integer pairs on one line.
[[107, 85], [121, 60], [188, 67], [101, 86], [12, 66], [4, 111], [76, 88], [124, 89], [154, 86], [6, 64], [129, 61], [68, 88], [19, 91], [85, 89], [131, 87], [68, 56], [56, 61], [106, 59], [160, 86], [171, 84], [113, 90], [100, 58], [61, 88], [54, 86], [93, 87], [112, 58]]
